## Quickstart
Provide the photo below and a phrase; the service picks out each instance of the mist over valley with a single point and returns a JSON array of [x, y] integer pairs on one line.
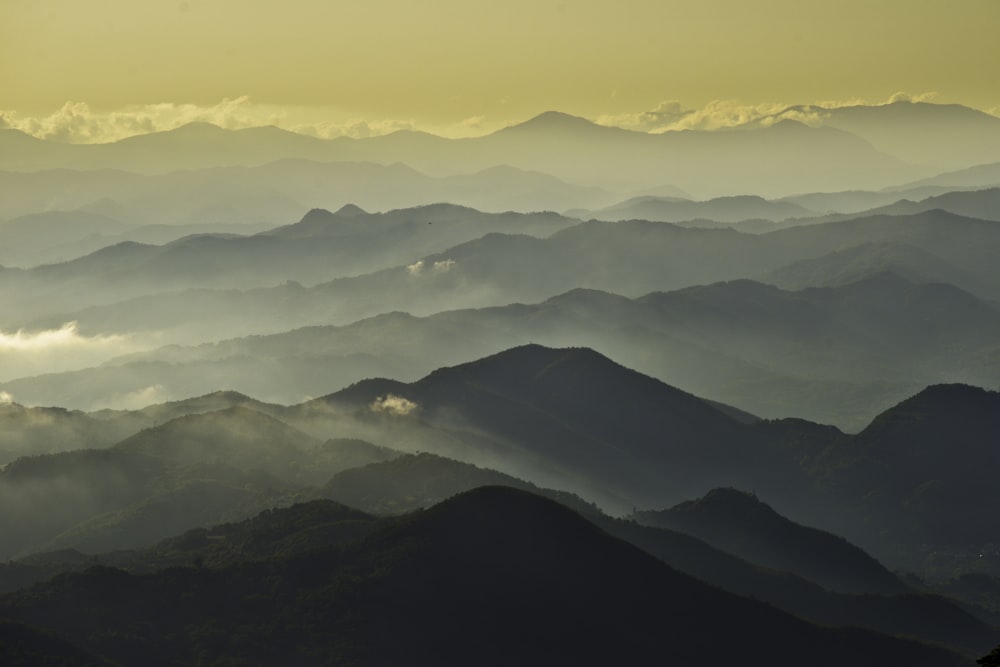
[[692, 386]]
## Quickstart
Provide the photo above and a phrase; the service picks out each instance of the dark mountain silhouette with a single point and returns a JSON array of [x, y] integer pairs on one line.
[[758, 535], [493, 568], [568, 419], [909, 479], [978, 591], [415, 481], [738, 523], [215, 401], [900, 297], [930, 617], [762, 536], [197, 469], [835, 355], [24, 646], [591, 424], [394, 487], [922, 472]]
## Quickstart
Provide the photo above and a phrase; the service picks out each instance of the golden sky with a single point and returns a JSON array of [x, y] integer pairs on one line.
[[435, 63]]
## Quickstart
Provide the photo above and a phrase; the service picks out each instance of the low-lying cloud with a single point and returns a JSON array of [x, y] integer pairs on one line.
[[393, 405], [77, 123], [420, 266], [136, 400], [672, 115], [67, 335], [24, 353], [356, 128]]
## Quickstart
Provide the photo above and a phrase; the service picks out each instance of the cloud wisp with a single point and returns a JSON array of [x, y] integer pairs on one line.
[[672, 115], [393, 405], [76, 122], [25, 353]]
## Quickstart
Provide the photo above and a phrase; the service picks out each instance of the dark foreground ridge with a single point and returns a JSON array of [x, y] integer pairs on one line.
[[494, 576]]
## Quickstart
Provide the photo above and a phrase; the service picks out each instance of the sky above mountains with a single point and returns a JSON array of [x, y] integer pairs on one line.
[[95, 72]]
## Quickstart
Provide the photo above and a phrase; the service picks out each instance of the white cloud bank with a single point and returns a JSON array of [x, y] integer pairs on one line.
[[393, 405], [419, 267], [25, 353], [76, 122], [136, 400], [672, 115]]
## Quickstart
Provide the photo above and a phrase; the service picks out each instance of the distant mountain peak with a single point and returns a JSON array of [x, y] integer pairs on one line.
[[728, 500], [960, 414], [532, 354], [197, 127], [557, 117], [317, 215], [956, 393], [550, 121], [350, 211]]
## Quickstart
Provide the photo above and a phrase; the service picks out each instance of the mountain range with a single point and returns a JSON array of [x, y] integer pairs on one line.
[[560, 393], [278, 191], [828, 354], [565, 419], [561, 418], [770, 160], [551, 575]]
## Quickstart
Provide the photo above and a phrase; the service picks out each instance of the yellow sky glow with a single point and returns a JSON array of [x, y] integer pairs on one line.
[[442, 62]]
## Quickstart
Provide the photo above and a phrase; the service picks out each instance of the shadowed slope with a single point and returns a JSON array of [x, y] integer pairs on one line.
[[494, 575]]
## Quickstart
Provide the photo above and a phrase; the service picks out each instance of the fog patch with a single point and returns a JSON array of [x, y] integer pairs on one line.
[[76, 122], [393, 405], [6, 398], [420, 266], [672, 115], [356, 128], [25, 353], [903, 96], [136, 400]]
